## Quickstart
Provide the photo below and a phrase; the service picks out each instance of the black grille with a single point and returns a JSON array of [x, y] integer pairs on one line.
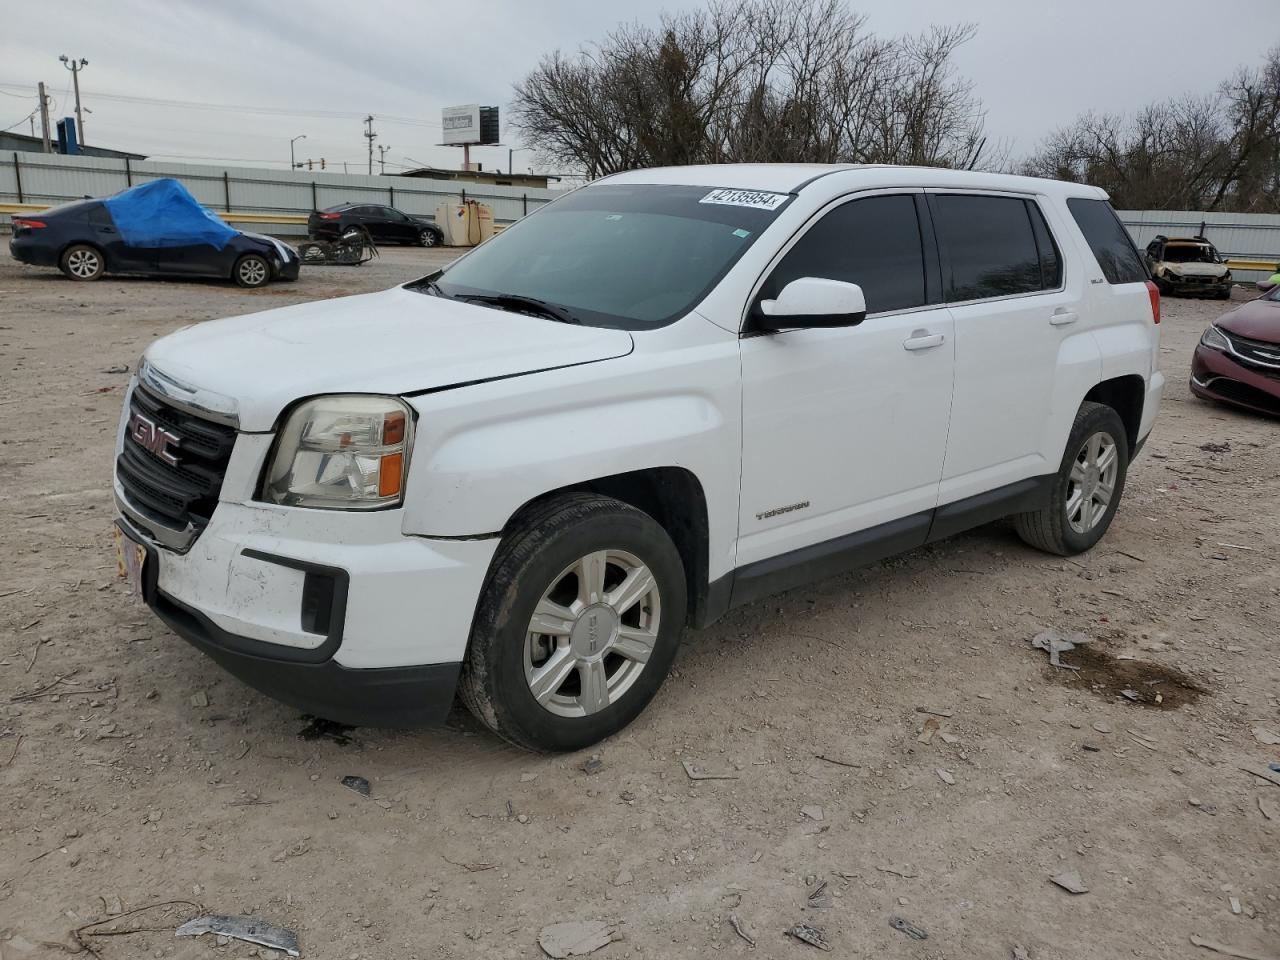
[[181, 494]]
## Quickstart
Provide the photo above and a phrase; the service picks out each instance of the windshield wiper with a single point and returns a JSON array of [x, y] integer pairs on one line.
[[518, 302]]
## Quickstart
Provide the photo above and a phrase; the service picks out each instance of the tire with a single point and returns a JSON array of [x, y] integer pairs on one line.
[[539, 565], [428, 238], [82, 262], [1053, 529], [1164, 287], [251, 271]]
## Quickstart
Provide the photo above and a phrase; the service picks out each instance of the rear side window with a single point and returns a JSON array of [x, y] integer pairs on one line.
[[873, 242], [989, 247], [1050, 257], [99, 216], [1109, 240]]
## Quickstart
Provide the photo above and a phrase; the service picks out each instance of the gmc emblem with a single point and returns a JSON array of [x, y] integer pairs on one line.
[[156, 439]]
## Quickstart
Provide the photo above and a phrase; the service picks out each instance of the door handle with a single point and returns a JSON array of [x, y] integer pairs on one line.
[[924, 341], [1060, 318]]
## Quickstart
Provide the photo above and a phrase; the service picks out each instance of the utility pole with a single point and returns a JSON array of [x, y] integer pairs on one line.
[[370, 136], [292, 164], [382, 158], [44, 119], [75, 67]]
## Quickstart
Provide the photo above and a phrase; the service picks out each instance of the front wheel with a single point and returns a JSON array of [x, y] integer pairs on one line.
[[82, 262], [428, 238], [577, 626], [252, 271], [1087, 489]]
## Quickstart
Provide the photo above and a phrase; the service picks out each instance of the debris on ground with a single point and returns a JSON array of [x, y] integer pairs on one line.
[[709, 773], [1214, 447], [318, 728], [1264, 775], [1267, 810], [936, 712], [576, 938], [741, 929], [1235, 905], [1101, 726], [907, 927], [623, 878], [592, 765], [1056, 644], [930, 728], [1020, 952], [813, 812], [810, 935], [906, 871], [1070, 881], [199, 699], [947, 777], [819, 893], [359, 784], [116, 368], [248, 929], [1268, 737], [1227, 951]]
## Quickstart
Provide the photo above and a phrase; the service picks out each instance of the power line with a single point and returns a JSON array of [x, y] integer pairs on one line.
[[245, 108]]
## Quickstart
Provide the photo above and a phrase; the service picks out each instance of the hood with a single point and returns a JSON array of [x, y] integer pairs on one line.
[[286, 252], [394, 342], [1255, 320], [1197, 269]]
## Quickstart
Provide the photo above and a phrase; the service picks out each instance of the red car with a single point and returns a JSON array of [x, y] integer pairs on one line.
[[1238, 359]]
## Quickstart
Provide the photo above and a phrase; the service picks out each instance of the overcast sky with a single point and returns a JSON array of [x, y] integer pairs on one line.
[[1035, 65]]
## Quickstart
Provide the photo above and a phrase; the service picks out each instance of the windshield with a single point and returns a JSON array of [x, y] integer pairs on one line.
[[633, 256], [1190, 253]]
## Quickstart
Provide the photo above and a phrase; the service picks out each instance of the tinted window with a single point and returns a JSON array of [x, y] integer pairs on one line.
[[390, 214], [99, 216], [1050, 257], [873, 242], [1109, 240], [988, 246], [366, 211]]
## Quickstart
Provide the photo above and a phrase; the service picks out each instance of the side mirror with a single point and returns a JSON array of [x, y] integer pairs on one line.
[[813, 302]]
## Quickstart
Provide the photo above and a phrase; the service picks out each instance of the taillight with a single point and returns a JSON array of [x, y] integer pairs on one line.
[[1154, 293], [330, 216], [29, 224]]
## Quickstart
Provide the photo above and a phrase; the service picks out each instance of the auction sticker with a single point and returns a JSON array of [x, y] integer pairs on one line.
[[759, 199]]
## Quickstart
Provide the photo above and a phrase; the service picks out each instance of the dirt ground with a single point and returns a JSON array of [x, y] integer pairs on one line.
[[134, 772]]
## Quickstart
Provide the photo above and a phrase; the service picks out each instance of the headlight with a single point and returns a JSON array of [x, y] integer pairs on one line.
[[342, 453], [1213, 339]]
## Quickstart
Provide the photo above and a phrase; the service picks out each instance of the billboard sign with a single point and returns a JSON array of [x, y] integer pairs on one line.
[[461, 124]]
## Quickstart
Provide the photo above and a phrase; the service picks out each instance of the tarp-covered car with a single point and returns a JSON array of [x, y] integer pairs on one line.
[[154, 228]]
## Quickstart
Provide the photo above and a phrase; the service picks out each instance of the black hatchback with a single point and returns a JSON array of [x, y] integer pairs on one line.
[[155, 228], [385, 224]]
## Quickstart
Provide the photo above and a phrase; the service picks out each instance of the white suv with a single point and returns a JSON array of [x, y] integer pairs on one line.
[[663, 395]]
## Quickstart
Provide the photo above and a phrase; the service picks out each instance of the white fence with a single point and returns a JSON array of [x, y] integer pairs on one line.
[[53, 178]]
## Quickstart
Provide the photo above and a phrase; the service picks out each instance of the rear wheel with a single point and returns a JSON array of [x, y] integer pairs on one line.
[[1087, 490], [252, 270], [577, 626], [82, 262]]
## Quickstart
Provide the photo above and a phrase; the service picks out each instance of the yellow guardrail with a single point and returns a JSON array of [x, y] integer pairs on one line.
[[1270, 266]]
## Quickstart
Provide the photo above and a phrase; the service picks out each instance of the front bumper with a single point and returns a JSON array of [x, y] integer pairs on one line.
[[1193, 286], [1217, 376]]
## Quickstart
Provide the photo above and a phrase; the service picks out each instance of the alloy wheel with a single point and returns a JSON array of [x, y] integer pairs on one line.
[[83, 263], [1092, 482], [592, 633], [253, 272]]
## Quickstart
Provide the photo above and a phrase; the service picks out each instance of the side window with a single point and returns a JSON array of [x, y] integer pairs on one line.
[[873, 242], [1050, 257], [365, 211], [1109, 240], [390, 213], [99, 216], [989, 248]]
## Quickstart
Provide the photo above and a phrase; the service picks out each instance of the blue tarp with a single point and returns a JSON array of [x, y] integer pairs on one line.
[[163, 213]]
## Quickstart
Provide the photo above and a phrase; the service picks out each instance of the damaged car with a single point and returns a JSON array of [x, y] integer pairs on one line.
[[1238, 358], [1190, 266], [156, 228]]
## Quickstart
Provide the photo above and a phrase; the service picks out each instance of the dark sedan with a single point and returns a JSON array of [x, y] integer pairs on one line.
[[85, 240], [1238, 359], [385, 224]]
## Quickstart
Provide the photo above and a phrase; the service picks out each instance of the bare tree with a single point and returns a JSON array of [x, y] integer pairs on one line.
[[761, 80], [1215, 152]]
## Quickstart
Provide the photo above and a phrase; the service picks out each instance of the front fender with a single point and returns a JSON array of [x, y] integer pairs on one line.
[[483, 451]]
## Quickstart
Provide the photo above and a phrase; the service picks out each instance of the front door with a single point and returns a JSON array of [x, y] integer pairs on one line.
[[845, 429]]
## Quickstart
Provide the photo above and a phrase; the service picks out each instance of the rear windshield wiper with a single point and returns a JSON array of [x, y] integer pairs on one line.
[[518, 302]]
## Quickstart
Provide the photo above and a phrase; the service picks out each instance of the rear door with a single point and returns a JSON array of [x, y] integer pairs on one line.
[[1024, 358], [845, 429], [119, 255]]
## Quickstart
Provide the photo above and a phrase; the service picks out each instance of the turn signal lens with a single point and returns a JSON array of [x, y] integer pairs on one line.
[[342, 453]]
